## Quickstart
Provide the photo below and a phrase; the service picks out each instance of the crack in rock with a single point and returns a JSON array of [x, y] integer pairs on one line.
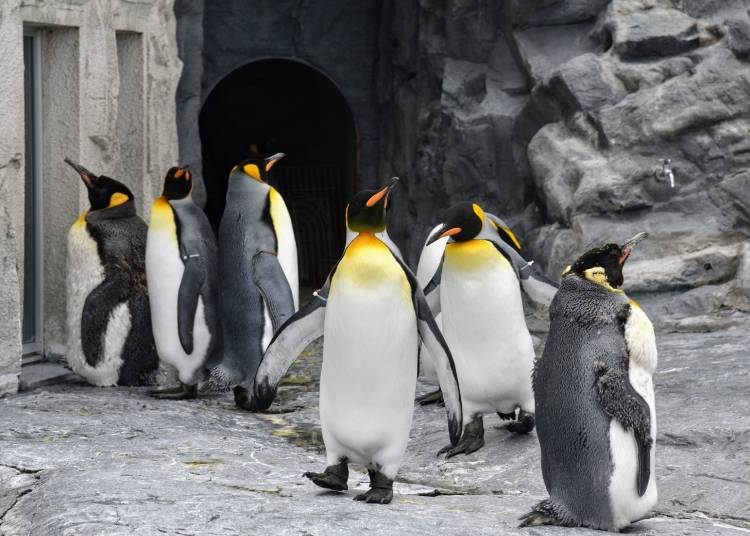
[[23, 470], [737, 521], [13, 504]]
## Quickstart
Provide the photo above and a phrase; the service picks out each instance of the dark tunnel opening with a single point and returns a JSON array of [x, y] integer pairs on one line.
[[286, 106]]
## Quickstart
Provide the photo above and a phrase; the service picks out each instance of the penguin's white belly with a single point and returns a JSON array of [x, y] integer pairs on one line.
[[626, 505], [484, 325], [164, 270], [84, 273], [369, 369], [287, 252]]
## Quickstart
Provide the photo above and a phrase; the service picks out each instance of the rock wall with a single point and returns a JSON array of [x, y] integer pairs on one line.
[[556, 115], [341, 39]]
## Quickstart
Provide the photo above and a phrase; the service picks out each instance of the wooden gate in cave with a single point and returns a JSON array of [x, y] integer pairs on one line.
[[316, 198]]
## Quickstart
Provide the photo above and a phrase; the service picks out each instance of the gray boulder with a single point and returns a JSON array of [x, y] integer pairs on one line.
[[651, 32]]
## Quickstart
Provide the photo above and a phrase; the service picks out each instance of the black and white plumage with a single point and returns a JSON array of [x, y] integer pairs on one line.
[[477, 289], [594, 392], [182, 274], [109, 338], [372, 312], [257, 270], [536, 286]]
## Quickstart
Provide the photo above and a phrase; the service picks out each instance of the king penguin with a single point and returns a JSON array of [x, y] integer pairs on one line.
[[595, 399], [430, 259], [257, 271], [109, 324], [477, 290], [182, 261], [371, 312]]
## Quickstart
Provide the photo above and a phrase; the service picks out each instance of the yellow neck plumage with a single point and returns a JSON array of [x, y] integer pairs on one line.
[[599, 276]]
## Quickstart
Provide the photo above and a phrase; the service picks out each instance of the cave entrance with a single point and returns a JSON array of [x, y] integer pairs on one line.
[[286, 106]]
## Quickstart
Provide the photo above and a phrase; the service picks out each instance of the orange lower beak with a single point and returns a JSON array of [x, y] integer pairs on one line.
[[451, 232]]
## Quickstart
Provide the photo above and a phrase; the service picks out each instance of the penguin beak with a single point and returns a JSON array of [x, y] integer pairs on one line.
[[627, 247], [271, 160], [375, 199], [183, 171], [88, 178], [443, 232]]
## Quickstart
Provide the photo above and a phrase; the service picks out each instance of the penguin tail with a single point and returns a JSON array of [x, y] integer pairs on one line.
[[547, 512]]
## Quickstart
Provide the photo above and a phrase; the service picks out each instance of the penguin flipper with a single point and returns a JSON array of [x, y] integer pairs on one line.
[[538, 287], [432, 290], [187, 300], [443, 363], [97, 309], [302, 328], [270, 279], [433, 340], [621, 401]]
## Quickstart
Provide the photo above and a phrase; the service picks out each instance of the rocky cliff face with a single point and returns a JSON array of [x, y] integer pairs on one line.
[[556, 115]]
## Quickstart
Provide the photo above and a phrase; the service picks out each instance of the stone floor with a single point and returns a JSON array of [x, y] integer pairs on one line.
[[79, 460]]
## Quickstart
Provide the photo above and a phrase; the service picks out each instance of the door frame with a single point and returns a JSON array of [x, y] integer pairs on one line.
[[37, 346]]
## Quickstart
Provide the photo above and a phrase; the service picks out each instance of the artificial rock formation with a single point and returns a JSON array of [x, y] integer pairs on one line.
[[556, 116]]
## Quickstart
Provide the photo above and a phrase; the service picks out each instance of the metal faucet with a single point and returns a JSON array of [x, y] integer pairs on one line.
[[666, 171]]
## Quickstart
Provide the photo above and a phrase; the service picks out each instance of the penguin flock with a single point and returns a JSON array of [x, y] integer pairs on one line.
[[226, 307]]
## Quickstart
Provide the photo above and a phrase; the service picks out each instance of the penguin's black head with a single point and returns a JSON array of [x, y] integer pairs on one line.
[[178, 183], [603, 265], [462, 222], [257, 167], [104, 192], [366, 211]]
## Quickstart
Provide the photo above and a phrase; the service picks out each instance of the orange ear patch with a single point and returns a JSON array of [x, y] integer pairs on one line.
[[512, 236], [252, 170], [117, 199], [179, 173], [478, 211]]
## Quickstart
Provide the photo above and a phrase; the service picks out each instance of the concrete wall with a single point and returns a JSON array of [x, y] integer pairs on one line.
[[109, 71], [60, 190], [11, 184]]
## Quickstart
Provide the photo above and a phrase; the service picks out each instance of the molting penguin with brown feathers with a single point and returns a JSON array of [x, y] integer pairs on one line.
[[594, 391], [109, 323]]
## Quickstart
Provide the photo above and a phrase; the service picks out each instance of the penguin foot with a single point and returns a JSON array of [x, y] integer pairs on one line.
[[435, 397], [547, 513], [471, 440], [243, 400], [165, 391], [334, 477], [183, 392], [523, 425], [381, 489]]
